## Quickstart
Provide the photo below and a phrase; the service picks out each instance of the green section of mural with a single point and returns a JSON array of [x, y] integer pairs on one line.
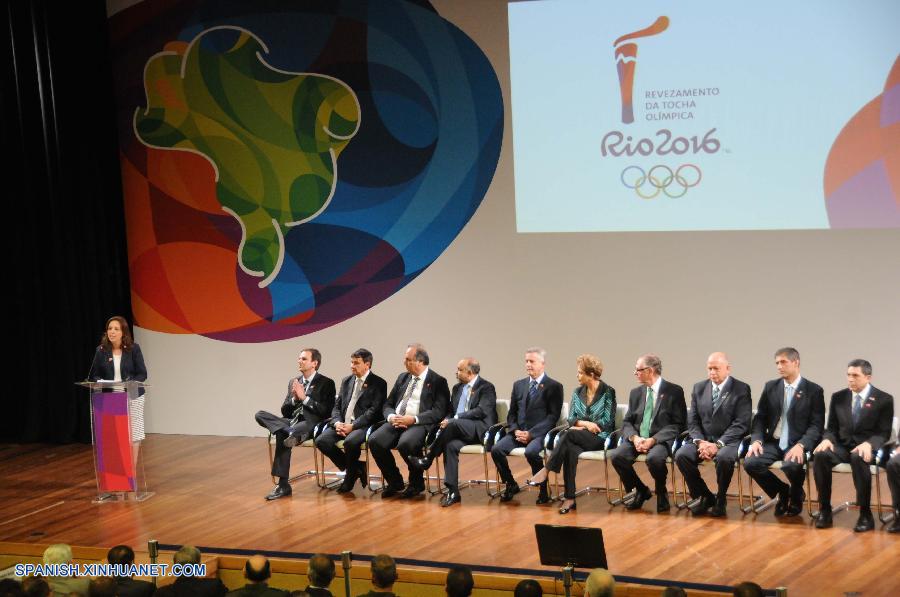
[[273, 137]]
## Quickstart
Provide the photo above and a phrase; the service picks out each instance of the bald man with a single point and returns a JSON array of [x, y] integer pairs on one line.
[[599, 583], [257, 571], [718, 421]]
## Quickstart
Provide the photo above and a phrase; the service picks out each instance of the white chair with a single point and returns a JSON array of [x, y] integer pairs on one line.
[[593, 455], [520, 452], [685, 503], [844, 468], [270, 442], [482, 448]]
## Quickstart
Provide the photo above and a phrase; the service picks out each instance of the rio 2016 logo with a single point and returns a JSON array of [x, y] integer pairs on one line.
[[660, 178]]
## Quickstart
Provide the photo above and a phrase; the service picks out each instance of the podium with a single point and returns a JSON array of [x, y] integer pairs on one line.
[[118, 466]]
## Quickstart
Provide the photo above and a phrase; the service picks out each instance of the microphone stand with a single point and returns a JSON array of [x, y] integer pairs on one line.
[[153, 549], [346, 557]]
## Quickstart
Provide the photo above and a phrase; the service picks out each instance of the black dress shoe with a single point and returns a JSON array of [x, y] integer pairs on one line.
[[795, 508], [662, 502], [783, 503], [509, 491], [824, 520], [279, 491], [543, 497], [703, 506], [895, 526], [411, 491], [422, 464], [641, 495], [566, 510], [349, 480], [865, 522], [450, 499], [717, 511], [391, 490], [291, 441]]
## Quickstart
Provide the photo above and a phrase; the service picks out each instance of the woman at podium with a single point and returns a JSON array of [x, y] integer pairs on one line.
[[118, 358]]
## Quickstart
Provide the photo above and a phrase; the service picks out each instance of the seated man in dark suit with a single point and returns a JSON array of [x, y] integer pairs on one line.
[[257, 572], [656, 416], [416, 404], [893, 475], [473, 409], [384, 575], [719, 420], [859, 423], [357, 407], [788, 424], [534, 408], [191, 586], [320, 574], [127, 586], [309, 400]]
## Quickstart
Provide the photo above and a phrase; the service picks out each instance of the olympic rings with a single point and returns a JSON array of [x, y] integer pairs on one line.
[[686, 176]]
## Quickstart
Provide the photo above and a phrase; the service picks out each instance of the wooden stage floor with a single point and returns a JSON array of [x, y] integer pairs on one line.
[[209, 492]]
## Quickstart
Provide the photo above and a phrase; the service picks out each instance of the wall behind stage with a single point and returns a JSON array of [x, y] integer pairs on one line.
[[830, 293]]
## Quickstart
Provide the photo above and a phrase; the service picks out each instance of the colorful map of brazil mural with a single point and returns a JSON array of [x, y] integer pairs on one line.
[[287, 167]]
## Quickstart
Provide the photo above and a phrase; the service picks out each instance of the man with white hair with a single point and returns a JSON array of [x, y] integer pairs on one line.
[[60, 553], [599, 583], [534, 409]]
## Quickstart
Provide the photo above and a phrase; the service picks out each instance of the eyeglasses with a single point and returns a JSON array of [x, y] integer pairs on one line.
[[641, 370]]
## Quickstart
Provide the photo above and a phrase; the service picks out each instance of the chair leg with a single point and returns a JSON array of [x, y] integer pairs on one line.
[[271, 457]]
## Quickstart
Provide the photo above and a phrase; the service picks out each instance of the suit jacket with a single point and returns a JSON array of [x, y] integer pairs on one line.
[[317, 592], [730, 422], [368, 407], [131, 587], [131, 366], [433, 401], [669, 417], [189, 586], [542, 413], [874, 425], [321, 395], [805, 417], [258, 590], [482, 407]]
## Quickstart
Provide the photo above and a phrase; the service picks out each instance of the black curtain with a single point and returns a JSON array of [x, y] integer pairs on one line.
[[66, 257]]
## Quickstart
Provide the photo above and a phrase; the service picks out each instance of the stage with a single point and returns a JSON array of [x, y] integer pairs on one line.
[[209, 492]]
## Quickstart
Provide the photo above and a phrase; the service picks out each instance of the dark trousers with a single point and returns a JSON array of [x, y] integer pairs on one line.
[[450, 440], [623, 459], [501, 450], [688, 460], [893, 476], [327, 444], [409, 443], [862, 476], [564, 456], [280, 427], [758, 468]]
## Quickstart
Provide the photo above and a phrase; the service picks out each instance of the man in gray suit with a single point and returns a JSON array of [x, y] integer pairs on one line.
[[719, 420]]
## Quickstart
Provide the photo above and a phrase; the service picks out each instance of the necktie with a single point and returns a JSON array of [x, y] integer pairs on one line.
[[783, 427], [715, 398], [857, 408], [305, 385], [463, 400], [357, 386], [401, 409], [648, 414], [532, 392]]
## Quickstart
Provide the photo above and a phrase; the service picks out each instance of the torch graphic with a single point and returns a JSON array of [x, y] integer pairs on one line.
[[626, 62]]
